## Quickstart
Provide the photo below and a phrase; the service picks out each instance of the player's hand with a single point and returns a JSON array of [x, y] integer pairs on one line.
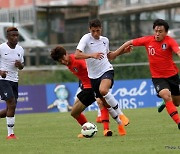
[[98, 55], [18, 64], [3, 74], [128, 49]]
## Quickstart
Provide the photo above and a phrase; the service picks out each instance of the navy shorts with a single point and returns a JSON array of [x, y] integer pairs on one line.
[[8, 89], [96, 82], [86, 96], [172, 83]]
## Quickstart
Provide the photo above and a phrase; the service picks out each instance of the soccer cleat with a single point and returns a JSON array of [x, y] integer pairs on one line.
[[161, 107], [124, 120], [98, 119], [107, 132], [121, 130], [12, 136], [179, 125], [80, 136]]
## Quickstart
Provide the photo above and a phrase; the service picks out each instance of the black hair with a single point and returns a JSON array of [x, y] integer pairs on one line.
[[161, 22], [9, 29], [95, 23], [58, 53]]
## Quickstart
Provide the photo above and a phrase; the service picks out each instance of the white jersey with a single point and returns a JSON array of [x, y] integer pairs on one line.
[[96, 68], [8, 57]]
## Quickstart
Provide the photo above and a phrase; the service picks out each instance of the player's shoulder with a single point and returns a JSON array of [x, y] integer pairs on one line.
[[169, 37], [87, 36], [19, 47], [104, 38], [3, 45]]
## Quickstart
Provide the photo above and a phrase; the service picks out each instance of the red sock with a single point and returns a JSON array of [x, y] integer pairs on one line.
[[81, 119], [171, 109], [105, 118]]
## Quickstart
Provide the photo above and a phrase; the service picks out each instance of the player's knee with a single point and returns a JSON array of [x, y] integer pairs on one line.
[[165, 94], [103, 92]]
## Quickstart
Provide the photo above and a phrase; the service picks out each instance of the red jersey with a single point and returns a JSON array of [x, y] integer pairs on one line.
[[160, 55], [79, 69]]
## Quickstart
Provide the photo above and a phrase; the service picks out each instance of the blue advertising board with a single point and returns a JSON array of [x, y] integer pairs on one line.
[[133, 94], [59, 97], [31, 99]]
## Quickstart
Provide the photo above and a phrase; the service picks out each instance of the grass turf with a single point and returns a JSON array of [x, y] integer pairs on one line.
[[51, 133]]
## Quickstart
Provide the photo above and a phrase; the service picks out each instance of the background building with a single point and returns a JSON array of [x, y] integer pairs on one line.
[[65, 21]]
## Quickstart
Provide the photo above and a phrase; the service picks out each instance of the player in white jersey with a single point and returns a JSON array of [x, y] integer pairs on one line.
[[95, 49], [11, 60]]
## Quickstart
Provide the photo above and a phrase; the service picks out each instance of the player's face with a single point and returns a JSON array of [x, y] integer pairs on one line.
[[95, 32], [13, 37], [64, 60], [159, 33]]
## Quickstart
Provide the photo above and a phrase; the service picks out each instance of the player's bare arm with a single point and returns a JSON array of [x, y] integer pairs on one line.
[[80, 55], [125, 48]]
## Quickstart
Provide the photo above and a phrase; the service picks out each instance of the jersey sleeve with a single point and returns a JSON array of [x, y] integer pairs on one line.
[[22, 55], [140, 41], [174, 45], [82, 43], [107, 48]]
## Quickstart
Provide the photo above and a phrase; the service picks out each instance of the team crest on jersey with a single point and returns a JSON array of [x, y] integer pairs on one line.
[[75, 69], [164, 46]]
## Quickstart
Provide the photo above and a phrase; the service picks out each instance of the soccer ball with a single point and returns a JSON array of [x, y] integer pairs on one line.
[[89, 129]]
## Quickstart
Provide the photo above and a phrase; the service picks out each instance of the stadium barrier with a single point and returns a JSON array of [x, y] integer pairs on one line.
[[131, 94]]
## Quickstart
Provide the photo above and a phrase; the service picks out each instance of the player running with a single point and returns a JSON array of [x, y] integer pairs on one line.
[[164, 72], [11, 60]]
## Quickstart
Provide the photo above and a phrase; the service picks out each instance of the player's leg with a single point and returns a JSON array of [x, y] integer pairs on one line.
[[77, 110], [3, 113], [116, 117], [100, 105], [85, 98], [104, 118], [11, 91], [176, 100], [170, 107], [166, 88], [10, 117], [102, 87]]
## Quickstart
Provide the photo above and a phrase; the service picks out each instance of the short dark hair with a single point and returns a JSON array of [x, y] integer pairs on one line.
[[58, 53], [9, 29], [161, 22], [95, 23]]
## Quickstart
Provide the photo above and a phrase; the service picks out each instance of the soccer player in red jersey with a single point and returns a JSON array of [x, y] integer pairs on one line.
[[164, 72], [86, 96]]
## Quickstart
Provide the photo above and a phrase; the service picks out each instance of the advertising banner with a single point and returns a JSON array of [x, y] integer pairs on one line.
[[130, 94], [31, 99], [133, 94]]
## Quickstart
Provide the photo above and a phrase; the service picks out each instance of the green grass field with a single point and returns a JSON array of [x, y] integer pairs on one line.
[[56, 133]]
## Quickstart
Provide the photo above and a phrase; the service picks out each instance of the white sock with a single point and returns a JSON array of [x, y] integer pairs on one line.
[[10, 125], [114, 115], [113, 103]]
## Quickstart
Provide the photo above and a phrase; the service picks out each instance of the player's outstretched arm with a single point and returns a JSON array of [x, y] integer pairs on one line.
[[125, 48]]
